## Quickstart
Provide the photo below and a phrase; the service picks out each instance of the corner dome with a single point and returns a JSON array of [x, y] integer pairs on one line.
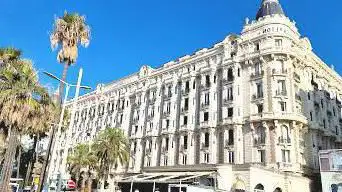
[[269, 7]]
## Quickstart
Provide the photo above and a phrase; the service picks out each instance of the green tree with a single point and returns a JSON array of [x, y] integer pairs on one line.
[[82, 161], [112, 149], [25, 106], [69, 32]]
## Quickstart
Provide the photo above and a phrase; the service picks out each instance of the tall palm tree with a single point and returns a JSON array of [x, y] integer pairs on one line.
[[112, 149], [25, 107], [69, 32], [81, 160]]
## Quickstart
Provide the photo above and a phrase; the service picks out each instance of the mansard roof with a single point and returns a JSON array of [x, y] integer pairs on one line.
[[269, 7]]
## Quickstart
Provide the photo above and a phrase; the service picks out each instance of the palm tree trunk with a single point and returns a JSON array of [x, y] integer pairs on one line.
[[28, 173], [34, 158], [9, 157], [52, 132], [83, 184], [90, 182], [18, 161], [61, 85]]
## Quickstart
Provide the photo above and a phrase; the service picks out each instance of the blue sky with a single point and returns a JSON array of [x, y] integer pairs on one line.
[[127, 34]]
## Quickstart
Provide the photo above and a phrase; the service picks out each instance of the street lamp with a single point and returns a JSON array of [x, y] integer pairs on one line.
[[52, 139]]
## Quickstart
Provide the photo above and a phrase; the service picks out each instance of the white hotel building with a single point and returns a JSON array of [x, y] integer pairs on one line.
[[252, 112]]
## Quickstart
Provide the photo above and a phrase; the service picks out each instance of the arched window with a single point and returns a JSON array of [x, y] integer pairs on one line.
[[260, 135], [259, 188], [277, 190], [285, 135]]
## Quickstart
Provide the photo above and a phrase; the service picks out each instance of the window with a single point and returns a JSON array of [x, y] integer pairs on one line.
[[230, 157], [309, 97], [230, 76], [167, 143], [260, 93], [206, 157], [135, 147], [324, 123], [214, 78], [282, 106], [231, 137], [261, 154], [257, 47], [257, 68], [206, 140], [281, 88], [136, 129], [230, 112], [230, 94], [238, 72], [310, 115], [169, 91], [206, 116], [260, 108], [185, 158], [285, 135], [185, 120], [207, 80], [167, 123], [148, 163], [187, 86], [278, 42], [286, 156], [186, 104], [260, 135], [194, 85], [168, 107], [165, 160], [206, 99], [185, 138]]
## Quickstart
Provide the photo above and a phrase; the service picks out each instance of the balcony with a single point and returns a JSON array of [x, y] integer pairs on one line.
[[164, 150], [182, 149], [135, 120], [296, 77], [228, 80], [184, 127], [152, 100], [281, 72], [204, 146], [258, 96], [167, 96], [228, 144], [184, 110], [284, 140], [228, 101], [281, 93], [204, 124], [257, 75], [285, 166], [204, 105], [150, 117], [260, 141], [166, 114], [185, 92], [148, 151]]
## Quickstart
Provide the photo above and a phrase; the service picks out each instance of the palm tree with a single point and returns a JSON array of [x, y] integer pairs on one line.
[[25, 107], [9, 54], [81, 160], [112, 149], [69, 31]]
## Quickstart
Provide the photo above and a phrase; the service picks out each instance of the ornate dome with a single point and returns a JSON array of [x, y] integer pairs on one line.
[[269, 7]]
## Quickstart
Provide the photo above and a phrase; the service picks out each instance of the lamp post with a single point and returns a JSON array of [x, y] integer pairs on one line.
[[55, 142]]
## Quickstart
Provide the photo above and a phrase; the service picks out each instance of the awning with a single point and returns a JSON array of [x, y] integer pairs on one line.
[[165, 177]]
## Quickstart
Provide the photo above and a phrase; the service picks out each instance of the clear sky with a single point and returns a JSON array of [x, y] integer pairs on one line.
[[129, 33]]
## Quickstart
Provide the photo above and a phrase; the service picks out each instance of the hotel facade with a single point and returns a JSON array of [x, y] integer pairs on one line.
[[251, 112]]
